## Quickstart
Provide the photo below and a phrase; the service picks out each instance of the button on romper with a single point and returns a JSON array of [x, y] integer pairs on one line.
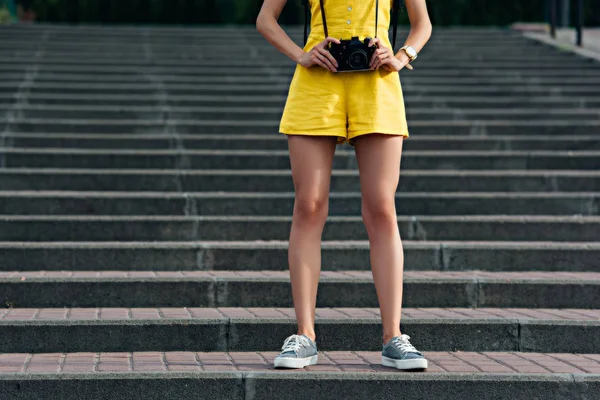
[[345, 104]]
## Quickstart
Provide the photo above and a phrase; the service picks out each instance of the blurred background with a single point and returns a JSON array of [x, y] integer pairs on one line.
[[443, 12]]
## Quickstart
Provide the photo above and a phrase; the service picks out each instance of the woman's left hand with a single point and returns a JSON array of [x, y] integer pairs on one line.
[[385, 57]]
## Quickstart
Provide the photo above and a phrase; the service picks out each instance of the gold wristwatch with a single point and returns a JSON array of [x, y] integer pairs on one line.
[[410, 52]]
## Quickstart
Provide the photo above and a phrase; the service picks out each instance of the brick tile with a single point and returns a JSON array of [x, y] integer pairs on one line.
[[266, 313], [108, 313], [145, 313], [20, 314], [219, 367], [148, 361], [84, 313], [52, 313], [323, 368], [14, 362], [235, 312], [79, 362], [204, 312], [172, 312], [43, 362]]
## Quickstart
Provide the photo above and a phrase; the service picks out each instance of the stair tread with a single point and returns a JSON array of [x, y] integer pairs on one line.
[[259, 314], [439, 362], [277, 276]]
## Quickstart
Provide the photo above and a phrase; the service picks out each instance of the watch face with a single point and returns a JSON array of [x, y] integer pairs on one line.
[[411, 52]]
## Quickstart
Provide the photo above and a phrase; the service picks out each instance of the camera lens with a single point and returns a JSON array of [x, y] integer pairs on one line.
[[358, 60]]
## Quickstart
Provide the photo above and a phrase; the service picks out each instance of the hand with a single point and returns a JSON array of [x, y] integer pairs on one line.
[[384, 57], [318, 55]]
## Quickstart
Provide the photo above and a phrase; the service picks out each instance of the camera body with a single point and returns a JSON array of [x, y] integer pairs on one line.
[[352, 54]]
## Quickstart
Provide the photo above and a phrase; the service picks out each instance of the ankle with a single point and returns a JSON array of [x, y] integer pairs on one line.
[[311, 335], [388, 337]]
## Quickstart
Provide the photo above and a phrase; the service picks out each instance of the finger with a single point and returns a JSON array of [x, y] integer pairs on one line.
[[325, 61], [375, 41], [378, 53], [330, 39], [330, 57], [379, 59], [321, 64]]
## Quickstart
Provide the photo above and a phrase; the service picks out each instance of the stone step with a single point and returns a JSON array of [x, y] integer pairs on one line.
[[242, 127], [249, 37], [78, 228], [153, 89], [286, 75], [35, 330], [238, 43], [279, 159], [33, 289], [46, 198], [273, 255], [251, 375], [223, 141], [288, 69], [156, 45], [278, 61], [414, 186], [233, 101], [203, 54], [261, 113]]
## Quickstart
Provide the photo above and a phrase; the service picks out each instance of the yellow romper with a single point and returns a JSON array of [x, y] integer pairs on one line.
[[345, 104]]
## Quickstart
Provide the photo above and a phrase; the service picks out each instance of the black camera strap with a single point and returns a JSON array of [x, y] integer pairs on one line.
[[394, 19]]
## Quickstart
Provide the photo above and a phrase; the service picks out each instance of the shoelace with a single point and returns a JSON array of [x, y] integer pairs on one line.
[[294, 343], [403, 344]]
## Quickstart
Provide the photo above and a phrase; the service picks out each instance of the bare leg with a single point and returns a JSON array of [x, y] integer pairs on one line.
[[311, 159], [378, 159]]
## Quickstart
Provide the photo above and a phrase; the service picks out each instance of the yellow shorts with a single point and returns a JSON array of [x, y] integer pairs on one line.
[[344, 104]]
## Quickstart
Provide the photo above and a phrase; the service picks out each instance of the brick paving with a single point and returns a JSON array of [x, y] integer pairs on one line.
[[199, 313], [329, 361], [346, 275]]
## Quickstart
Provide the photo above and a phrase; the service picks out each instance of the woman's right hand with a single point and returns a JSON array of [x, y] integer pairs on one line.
[[318, 55]]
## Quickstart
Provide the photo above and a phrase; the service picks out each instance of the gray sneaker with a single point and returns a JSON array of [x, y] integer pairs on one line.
[[399, 353], [298, 351]]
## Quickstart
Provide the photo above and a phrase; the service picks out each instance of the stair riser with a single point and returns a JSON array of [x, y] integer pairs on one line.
[[47, 159], [241, 128], [132, 230], [350, 335], [432, 204], [275, 114], [331, 294], [244, 385], [271, 142], [189, 258]]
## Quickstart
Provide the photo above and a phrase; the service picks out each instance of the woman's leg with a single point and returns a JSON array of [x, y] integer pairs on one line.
[[311, 160], [378, 159]]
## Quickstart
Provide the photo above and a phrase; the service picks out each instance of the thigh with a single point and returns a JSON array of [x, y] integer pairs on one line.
[[311, 158], [378, 158]]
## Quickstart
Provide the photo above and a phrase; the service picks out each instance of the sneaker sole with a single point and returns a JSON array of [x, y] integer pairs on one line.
[[420, 363], [286, 362]]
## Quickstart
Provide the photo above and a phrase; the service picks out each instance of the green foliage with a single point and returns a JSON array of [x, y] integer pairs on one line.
[[442, 12], [5, 16]]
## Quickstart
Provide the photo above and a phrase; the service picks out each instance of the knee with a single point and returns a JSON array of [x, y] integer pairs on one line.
[[380, 215], [311, 208]]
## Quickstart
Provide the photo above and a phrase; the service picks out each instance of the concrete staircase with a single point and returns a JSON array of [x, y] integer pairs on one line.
[[146, 198]]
